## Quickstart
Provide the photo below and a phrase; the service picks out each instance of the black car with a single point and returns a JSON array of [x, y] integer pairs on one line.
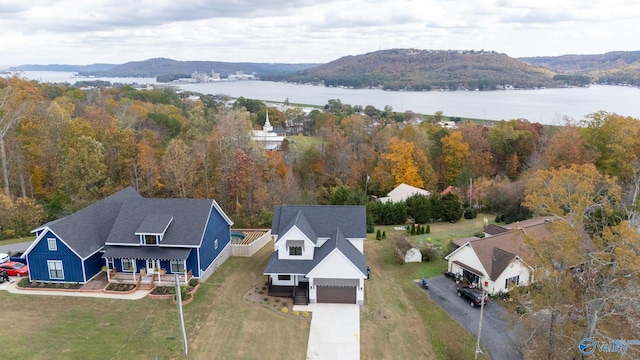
[[474, 295]]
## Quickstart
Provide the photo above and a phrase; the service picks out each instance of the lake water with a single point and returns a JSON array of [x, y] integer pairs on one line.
[[546, 106]]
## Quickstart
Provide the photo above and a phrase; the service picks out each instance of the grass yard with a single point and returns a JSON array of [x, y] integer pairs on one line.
[[398, 320], [17, 240]]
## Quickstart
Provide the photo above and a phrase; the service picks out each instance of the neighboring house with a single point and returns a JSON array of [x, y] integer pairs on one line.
[[132, 234], [318, 254], [402, 192], [495, 259], [268, 137]]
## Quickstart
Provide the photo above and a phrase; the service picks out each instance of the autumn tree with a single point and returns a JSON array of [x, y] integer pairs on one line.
[[18, 98], [402, 164], [580, 276], [455, 152], [480, 159]]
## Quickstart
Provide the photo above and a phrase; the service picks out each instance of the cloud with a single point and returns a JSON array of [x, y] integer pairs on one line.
[[44, 31]]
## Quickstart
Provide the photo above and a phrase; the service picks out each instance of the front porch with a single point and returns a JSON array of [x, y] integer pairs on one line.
[[300, 293], [147, 280]]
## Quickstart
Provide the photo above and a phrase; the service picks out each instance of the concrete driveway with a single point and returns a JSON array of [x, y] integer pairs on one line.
[[497, 338], [335, 332]]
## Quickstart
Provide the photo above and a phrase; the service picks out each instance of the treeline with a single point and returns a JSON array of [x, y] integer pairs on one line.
[[410, 69], [64, 148]]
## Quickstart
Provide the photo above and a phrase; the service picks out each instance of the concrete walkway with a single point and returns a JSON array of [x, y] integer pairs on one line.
[[334, 332], [11, 287]]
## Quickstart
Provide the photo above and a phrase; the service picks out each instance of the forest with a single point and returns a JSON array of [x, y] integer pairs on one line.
[[63, 148]]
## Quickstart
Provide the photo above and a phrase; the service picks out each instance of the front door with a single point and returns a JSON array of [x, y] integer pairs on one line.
[[152, 265]]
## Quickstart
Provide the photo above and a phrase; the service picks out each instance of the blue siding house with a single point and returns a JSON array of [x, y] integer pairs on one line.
[[132, 234]]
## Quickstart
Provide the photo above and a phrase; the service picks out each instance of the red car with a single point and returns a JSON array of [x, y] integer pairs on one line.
[[15, 268]]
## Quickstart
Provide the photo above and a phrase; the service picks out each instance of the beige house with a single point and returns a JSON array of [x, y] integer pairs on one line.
[[402, 192], [494, 262]]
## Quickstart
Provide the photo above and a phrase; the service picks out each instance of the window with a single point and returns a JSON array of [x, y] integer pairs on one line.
[[284, 277], [295, 250], [512, 281], [127, 264], [51, 242], [215, 244], [55, 269], [177, 266], [150, 239]]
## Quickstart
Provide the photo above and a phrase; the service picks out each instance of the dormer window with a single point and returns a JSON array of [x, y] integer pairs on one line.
[[150, 239], [295, 247], [153, 228]]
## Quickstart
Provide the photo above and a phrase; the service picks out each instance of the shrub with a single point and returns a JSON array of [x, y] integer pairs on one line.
[[429, 254], [479, 234], [378, 235], [193, 282], [470, 213], [284, 303], [305, 314], [296, 313], [384, 235], [265, 299], [285, 310]]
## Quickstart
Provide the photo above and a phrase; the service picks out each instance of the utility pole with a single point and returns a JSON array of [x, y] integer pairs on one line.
[[480, 324], [181, 315]]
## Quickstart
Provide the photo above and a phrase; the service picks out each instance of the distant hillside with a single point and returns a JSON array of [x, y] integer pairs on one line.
[[64, 67], [412, 69], [612, 67], [162, 66]]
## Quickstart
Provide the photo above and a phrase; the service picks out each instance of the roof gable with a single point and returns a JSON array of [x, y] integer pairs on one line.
[[190, 218], [403, 192], [322, 219], [509, 245], [301, 223], [339, 243], [86, 230]]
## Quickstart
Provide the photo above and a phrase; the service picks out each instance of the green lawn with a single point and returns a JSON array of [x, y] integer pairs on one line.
[[17, 240], [398, 320]]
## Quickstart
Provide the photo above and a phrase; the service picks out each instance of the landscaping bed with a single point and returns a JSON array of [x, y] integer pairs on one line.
[[258, 295], [26, 284], [120, 287]]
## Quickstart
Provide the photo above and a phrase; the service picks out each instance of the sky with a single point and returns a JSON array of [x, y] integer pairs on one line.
[[305, 31]]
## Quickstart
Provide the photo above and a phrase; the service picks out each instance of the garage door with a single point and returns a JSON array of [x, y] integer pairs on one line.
[[337, 291], [337, 294]]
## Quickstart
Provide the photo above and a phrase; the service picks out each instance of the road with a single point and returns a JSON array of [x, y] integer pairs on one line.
[[12, 248], [496, 337]]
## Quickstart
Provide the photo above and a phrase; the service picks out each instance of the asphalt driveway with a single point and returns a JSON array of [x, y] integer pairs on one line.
[[496, 337]]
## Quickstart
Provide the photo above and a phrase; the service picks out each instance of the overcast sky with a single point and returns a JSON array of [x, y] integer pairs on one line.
[[305, 31]]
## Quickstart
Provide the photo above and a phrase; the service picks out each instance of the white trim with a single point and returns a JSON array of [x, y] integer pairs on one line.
[[458, 249], [50, 242], [49, 263], [160, 245], [344, 256], [39, 238], [222, 213]]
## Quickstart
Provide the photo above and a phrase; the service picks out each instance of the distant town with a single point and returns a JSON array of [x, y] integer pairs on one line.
[[202, 77]]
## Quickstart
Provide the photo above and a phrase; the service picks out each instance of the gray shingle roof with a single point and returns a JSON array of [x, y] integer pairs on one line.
[[154, 224], [301, 222], [338, 241], [86, 230], [303, 267], [187, 228], [115, 219], [323, 219]]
